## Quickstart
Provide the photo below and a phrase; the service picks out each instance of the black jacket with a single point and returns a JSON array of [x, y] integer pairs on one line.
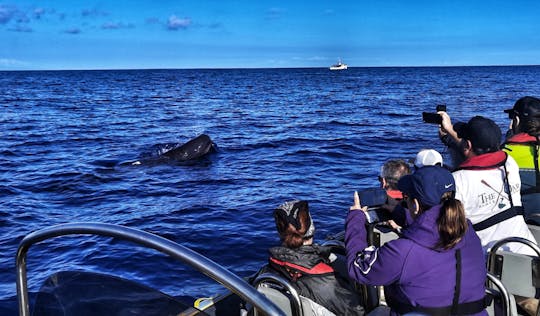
[[313, 275]]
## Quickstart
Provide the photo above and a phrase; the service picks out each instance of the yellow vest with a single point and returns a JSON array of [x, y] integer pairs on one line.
[[523, 154]]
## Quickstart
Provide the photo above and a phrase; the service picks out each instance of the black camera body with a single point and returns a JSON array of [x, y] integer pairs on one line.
[[434, 118]]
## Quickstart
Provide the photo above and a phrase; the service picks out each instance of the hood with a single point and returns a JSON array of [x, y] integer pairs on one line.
[[424, 231]]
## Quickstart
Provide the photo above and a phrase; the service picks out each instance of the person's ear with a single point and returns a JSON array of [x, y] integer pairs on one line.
[[466, 145], [383, 182], [416, 206], [515, 124]]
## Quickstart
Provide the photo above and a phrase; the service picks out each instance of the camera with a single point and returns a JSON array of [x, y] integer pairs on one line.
[[434, 118], [441, 108], [373, 198]]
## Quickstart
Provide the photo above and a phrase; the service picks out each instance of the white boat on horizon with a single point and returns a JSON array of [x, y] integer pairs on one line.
[[339, 66]]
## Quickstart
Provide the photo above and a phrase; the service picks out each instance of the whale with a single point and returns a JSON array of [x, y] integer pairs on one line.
[[188, 153], [194, 149]]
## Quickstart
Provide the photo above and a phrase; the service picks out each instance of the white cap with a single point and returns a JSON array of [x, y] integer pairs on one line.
[[428, 157]]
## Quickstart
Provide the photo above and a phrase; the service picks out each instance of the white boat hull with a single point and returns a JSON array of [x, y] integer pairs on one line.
[[339, 67]]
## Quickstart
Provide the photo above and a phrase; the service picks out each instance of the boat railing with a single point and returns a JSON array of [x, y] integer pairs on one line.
[[206, 266]]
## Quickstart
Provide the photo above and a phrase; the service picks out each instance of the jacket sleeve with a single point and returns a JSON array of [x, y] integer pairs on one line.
[[368, 264]]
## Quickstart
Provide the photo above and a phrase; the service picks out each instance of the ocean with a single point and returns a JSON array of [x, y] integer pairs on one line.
[[67, 138]]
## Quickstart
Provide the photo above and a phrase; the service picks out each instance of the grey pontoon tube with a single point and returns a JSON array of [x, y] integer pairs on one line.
[[208, 267], [296, 303]]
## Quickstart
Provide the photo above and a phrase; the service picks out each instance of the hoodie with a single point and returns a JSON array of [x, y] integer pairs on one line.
[[413, 270]]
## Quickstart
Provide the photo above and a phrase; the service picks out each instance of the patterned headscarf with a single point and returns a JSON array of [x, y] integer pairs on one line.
[[289, 212]]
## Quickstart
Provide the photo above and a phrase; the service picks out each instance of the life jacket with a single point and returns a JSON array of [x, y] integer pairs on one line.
[[296, 271], [492, 161], [524, 148], [466, 308], [395, 194]]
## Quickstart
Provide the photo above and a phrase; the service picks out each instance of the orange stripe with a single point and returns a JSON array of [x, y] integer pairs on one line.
[[319, 268]]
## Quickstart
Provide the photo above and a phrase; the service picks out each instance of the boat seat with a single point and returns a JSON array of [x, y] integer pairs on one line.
[[519, 273], [281, 293]]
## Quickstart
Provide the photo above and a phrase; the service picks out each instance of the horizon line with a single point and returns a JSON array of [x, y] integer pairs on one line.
[[267, 68]]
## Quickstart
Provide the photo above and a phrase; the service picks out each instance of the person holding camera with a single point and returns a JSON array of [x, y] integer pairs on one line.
[[523, 144], [310, 267], [487, 182], [437, 266]]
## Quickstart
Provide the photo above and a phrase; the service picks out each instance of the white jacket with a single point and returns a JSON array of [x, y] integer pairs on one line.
[[483, 195]]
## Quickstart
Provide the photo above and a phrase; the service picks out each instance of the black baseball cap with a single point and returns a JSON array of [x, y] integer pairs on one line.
[[483, 133], [525, 108]]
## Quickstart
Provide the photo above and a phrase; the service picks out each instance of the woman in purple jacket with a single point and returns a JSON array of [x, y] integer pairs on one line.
[[437, 267]]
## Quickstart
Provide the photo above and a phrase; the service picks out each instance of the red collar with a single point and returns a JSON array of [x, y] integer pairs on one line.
[[319, 268], [395, 194], [485, 161], [521, 138]]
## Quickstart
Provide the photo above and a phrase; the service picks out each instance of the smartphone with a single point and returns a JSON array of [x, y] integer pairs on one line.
[[373, 197], [432, 118], [441, 107]]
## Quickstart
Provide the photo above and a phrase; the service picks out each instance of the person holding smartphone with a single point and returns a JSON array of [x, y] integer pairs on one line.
[[437, 266]]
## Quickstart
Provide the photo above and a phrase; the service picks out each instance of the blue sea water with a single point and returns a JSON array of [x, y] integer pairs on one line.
[[282, 133]]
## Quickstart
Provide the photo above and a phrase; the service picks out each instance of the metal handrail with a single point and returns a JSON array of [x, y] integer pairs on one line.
[[206, 266], [503, 291], [493, 251], [296, 303], [492, 255]]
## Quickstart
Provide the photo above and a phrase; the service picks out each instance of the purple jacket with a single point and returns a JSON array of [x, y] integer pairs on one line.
[[410, 269]]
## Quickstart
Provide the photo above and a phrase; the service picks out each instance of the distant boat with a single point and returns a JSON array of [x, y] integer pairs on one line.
[[338, 66]]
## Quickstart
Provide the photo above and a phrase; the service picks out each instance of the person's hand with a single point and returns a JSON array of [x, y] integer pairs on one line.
[[446, 127], [356, 205], [393, 225]]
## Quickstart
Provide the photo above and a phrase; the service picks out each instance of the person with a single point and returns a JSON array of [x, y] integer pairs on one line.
[[523, 144], [308, 266], [488, 183], [428, 157], [391, 171], [437, 266]]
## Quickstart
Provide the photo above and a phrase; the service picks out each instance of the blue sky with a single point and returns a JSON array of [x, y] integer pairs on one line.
[[123, 34]]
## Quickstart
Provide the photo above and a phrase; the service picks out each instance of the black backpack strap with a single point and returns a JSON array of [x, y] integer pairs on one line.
[[457, 289]]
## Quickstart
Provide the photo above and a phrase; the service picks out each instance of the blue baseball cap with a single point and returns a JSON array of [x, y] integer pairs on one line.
[[427, 184]]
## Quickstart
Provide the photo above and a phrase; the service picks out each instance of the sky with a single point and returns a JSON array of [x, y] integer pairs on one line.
[[136, 34]]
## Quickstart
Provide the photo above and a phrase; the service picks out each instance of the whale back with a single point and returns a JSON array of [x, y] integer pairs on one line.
[[193, 149]]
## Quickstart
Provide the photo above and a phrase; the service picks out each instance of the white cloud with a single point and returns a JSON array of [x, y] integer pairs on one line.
[[7, 62], [175, 23]]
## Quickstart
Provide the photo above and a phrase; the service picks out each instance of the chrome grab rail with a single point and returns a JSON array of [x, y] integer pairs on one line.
[[210, 268], [492, 257], [492, 254], [296, 303], [505, 295]]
